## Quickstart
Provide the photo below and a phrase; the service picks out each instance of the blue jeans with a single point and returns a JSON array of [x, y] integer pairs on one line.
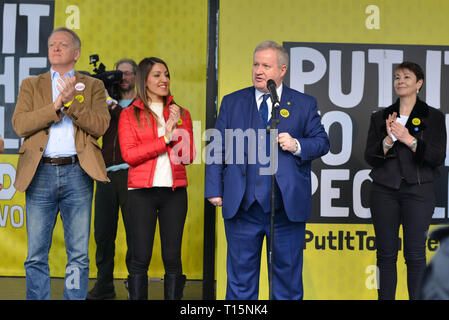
[[54, 188]]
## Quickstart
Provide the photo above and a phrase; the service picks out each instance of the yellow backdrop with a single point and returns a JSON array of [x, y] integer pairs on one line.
[[244, 24], [175, 31]]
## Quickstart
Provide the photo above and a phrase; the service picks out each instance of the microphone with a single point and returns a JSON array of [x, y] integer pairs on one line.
[[271, 86]]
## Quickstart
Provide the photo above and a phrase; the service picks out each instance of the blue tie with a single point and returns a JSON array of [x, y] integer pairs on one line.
[[263, 110]]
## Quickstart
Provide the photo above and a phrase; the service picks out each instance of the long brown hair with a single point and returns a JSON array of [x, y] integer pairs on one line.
[[143, 69]]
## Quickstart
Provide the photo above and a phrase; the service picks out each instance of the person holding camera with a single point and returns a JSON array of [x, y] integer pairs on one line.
[[156, 139], [110, 197]]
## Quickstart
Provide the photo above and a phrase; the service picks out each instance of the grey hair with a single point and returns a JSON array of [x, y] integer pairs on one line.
[[76, 39], [282, 55], [129, 61]]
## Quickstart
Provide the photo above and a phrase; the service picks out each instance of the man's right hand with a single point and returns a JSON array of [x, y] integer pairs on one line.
[[66, 88], [216, 201], [58, 103]]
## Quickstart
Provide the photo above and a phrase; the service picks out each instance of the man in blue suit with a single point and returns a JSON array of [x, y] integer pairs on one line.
[[238, 169]]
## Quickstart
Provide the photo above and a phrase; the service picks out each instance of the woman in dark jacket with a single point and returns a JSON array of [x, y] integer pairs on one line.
[[406, 144]]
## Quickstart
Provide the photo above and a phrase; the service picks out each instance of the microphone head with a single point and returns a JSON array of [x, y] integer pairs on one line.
[[271, 84]]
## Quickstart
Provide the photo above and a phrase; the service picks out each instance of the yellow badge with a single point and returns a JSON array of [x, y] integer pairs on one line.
[[284, 113], [179, 122], [80, 98], [416, 121]]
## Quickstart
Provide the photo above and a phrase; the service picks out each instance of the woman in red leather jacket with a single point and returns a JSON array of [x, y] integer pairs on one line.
[[156, 140]]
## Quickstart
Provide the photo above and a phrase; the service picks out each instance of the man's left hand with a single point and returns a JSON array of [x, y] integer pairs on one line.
[[66, 87], [286, 142]]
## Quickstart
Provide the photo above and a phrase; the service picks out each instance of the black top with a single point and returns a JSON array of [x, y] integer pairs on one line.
[[111, 146], [428, 126]]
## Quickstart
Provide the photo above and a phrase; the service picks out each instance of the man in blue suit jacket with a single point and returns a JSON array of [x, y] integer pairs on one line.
[[238, 176]]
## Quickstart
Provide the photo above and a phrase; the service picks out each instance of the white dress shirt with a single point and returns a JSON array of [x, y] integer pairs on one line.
[[61, 138]]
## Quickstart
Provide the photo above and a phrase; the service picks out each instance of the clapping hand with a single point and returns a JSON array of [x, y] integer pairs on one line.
[[66, 88], [390, 120], [170, 125], [401, 133]]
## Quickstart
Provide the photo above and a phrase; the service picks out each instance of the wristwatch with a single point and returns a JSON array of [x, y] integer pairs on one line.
[[386, 145]]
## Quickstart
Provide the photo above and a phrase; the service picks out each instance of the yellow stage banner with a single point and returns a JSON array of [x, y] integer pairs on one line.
[[114, 29], [343, 53]]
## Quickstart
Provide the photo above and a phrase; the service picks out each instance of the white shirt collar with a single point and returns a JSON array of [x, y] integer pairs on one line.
[[53, 73], [259, 94]]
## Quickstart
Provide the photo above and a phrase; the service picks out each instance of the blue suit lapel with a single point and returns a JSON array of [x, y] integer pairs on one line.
[[244, 116], [245, 110], [286, 106]]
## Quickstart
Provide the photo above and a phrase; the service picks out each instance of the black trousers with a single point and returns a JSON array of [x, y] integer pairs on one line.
[[412, 206], [146, 206], [109, 197]]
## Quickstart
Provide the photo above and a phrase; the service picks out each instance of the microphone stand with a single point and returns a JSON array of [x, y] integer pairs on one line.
[[273, 147]]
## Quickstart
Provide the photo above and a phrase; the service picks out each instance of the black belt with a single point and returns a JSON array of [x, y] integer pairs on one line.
[[61, 161]]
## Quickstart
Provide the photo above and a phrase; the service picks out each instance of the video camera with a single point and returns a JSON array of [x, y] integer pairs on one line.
[[111, 79]]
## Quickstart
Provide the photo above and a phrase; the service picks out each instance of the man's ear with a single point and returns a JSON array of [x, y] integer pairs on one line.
[[77, 54], [283, 70]]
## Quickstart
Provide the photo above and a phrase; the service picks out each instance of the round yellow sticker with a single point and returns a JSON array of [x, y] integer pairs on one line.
[[80, 98], [179, 122], [284, 113], [416, 121]]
